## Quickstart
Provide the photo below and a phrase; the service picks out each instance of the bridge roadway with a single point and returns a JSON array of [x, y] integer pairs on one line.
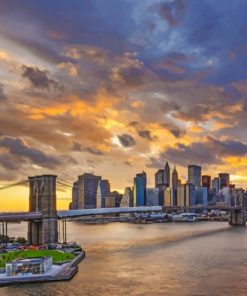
[[27, 216]]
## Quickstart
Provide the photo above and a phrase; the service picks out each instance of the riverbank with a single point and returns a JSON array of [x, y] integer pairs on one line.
[[62, 272]]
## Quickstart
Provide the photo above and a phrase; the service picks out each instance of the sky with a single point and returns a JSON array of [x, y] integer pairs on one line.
[[116, 87]]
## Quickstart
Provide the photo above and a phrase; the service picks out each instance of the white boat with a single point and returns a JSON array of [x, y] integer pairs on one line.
[[184, 217]]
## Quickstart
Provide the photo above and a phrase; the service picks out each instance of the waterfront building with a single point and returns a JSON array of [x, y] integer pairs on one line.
[[152, 197], [174, 179], [87, 187], [175, 183], [190, 194], [194, 175], [159, 178], [224, 180], [201, 194], [113, 199], [168, 196], [140, 184], [215, 186], [74, 204], [181, 195], [105, 188], [224, 195], [28, 266], [159, 183], [127, 200], [206, 181]]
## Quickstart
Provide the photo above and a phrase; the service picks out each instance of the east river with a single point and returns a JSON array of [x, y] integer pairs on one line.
[[203, 258]]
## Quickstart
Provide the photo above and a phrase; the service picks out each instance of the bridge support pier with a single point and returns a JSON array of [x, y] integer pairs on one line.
[[237, 218], [42, 199]]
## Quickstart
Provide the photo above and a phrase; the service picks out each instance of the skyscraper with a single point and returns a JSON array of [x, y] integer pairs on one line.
[[174, 179], [159, 178], [140, 184], [224, 180], [194, 175], [206, 181], [105, 188], [167, 175], [87, 191], [152, 197], [127, 200]]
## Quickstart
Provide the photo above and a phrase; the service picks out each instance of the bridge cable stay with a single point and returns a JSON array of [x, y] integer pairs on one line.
[[14, 184]]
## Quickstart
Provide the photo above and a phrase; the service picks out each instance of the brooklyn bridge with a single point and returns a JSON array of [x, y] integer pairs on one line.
[[43, 216]]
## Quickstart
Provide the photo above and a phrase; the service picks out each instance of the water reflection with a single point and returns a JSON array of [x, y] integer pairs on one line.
[[154, 259]]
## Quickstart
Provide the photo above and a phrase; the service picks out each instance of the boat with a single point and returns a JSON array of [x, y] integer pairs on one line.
[[184, 217]]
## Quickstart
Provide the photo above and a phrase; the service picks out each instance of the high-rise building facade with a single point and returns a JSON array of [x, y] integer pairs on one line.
[[127, 200], [74, 204], [87, 191], [159, 178], [152, 197], [174, 179], [168, 197], [167, 175], [194, 175], [113, 199], [105, 188], [206, 181], [140, 184], [190, 194], [224, 180], [201, 195], [181, 195]]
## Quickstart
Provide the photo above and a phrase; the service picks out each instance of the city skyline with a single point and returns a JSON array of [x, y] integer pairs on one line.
[[117, 87]]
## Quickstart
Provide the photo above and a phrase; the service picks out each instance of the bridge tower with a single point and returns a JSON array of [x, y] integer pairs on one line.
[[42, 198]]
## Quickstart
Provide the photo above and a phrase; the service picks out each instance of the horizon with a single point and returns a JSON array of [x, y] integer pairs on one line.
[[117, 87]]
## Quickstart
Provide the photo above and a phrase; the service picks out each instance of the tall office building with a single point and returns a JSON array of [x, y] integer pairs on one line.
[[152, 197], [87, 187], [140, 184], [159, 178], [224, 180], [167, 175], [181, 195], [105, 188], [127, 200], [215, 186], [174, 178], [201, 195], [159, 183], [168, 197], [190, 194], [194, 175], [113, 199], [74, 204], [206, 181]]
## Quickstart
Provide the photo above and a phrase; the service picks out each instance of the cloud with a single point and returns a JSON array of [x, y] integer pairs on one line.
[[126, 140], [172, 12], [208, 152], [18, 147], [147, 135], [39, 78]]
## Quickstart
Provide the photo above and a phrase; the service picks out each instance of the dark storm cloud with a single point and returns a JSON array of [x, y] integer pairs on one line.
[[38, 78], [126, 140], [93, 151], [142, 132], [146, 134], [17, 147], [207, 152], [172, 12]]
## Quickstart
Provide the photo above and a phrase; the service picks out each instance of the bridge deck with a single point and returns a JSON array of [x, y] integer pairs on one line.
[[20, 216]]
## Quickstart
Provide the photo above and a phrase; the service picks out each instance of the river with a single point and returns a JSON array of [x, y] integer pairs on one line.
[[203, 258]]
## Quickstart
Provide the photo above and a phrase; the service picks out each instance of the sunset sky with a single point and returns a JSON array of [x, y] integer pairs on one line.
[[115, 87]]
